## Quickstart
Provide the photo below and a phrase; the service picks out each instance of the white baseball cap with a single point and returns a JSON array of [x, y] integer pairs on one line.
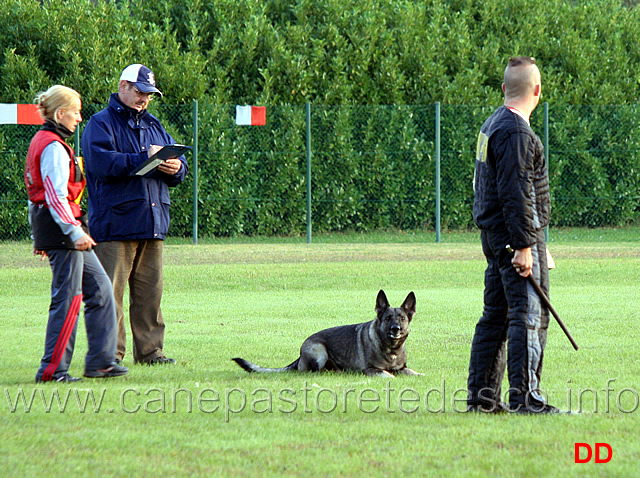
[[142, 77]]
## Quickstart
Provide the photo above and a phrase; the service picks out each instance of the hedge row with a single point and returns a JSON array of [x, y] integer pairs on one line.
[[373, 167], [332, 52]]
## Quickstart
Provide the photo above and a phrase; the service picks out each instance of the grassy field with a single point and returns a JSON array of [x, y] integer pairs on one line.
[[259, 299]]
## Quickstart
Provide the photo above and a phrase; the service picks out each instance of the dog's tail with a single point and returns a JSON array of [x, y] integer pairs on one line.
[[251, 367]]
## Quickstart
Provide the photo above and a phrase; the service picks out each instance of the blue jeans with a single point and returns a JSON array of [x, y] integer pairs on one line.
[[78, 276]]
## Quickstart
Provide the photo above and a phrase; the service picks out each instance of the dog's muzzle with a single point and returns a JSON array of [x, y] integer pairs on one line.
[[395, 332]]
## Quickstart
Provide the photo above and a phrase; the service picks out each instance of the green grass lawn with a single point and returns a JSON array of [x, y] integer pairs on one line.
[[259, 300]]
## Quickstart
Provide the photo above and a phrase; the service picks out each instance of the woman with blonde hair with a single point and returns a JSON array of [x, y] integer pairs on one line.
[[55, 182]]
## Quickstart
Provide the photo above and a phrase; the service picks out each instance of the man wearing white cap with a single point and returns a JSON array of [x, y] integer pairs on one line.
[[129, 215]]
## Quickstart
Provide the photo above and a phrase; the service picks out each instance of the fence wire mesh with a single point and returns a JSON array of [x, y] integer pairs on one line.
[[372, 168]]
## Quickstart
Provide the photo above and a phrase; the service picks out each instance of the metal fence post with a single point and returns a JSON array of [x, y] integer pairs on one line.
[[308, 121], [546, 153], [437, 172], [195, 171]]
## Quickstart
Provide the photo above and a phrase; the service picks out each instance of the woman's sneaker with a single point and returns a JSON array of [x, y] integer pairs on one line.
[[64, 378]]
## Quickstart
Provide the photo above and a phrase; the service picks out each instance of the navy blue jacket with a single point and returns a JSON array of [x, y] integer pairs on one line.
[[511, 183], [122, 207]]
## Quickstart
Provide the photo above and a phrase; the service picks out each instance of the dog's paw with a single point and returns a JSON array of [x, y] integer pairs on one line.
[[408, 371]]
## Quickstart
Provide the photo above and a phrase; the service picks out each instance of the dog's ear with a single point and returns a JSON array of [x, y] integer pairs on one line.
[[382, 303], [409, 305]]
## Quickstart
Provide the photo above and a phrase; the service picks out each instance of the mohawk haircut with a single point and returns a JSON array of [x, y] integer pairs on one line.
[[519, 79], [521, 60]]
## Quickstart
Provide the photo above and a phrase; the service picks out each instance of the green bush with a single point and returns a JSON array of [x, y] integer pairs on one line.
[[325, 52], [373, 166]]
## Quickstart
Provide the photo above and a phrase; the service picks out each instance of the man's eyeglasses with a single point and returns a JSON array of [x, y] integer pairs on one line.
[[149, 96]]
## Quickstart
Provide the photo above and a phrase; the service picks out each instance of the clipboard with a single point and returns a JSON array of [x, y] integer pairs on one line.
[[167, 152]]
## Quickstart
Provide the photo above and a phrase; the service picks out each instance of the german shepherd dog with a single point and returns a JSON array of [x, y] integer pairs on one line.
[[374, 348]]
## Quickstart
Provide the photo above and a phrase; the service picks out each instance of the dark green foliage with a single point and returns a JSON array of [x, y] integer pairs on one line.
[[595, 173], [373, 166], [324, 52], [13, 195]]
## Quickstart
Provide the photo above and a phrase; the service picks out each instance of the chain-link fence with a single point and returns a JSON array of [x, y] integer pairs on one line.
[[370, 168]]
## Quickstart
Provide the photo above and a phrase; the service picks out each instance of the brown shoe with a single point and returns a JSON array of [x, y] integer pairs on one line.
[[159, 361]]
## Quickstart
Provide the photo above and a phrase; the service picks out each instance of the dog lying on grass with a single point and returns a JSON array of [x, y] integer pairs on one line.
[[374, 348]]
